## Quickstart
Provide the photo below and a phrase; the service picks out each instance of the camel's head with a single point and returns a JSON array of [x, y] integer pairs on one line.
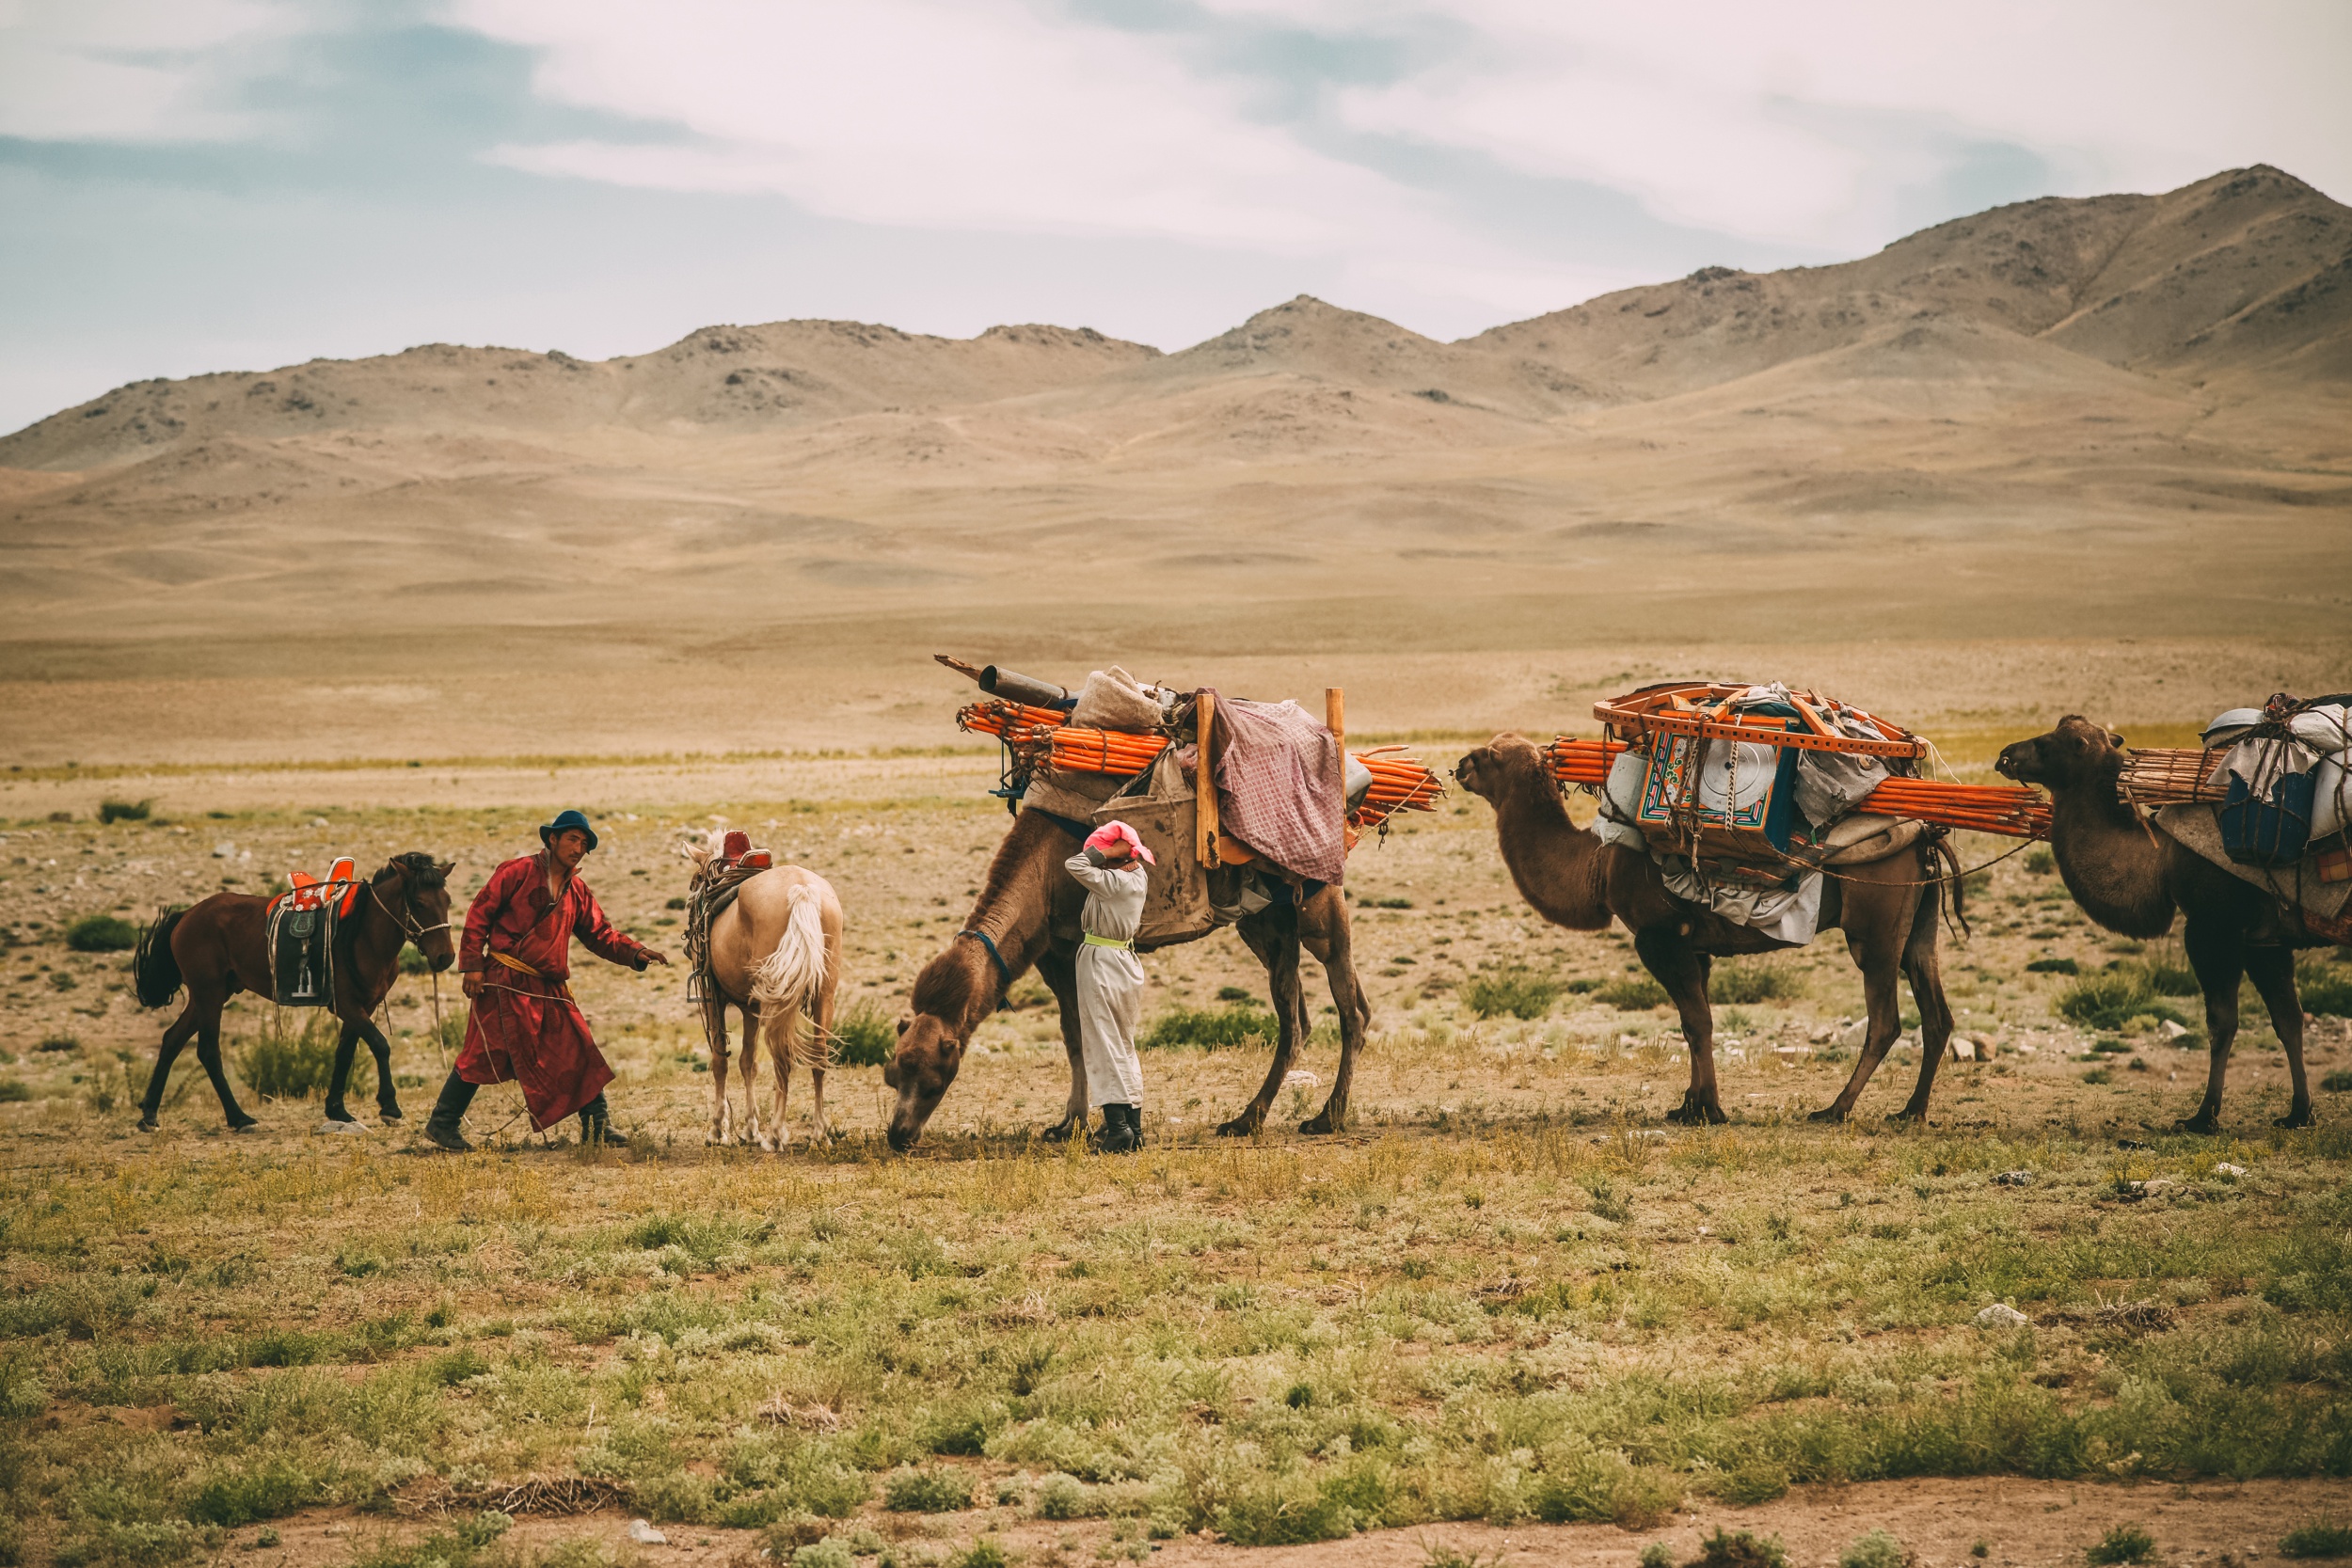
[[2075, 752], [932, 1042], [1483, 771]]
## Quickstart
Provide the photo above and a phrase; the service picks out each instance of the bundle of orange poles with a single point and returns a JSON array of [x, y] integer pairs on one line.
[[2013, 811]]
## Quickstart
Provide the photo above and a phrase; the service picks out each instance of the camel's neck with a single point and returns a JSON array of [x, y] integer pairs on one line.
[[1014, 912], [2111, 860], [1555, 864]]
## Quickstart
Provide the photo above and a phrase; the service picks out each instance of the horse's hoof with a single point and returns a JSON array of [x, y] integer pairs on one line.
[[248, 1125], [2296, 1119], [344, 1126], [1694, 1110], [1318, 1126], [1240, 1127], [1830, 1114], [1909, 1117], [388, 1112], [146, 1124], [2200, 1123]]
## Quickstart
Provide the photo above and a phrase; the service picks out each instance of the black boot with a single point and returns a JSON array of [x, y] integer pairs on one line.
[[596, 1125], [1122, 1129], [440, 1128]]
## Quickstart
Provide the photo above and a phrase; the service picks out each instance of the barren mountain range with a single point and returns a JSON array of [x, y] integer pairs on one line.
[[2065, 422]]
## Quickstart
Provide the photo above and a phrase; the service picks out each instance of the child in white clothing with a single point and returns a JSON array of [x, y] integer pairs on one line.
[[1110, 978]]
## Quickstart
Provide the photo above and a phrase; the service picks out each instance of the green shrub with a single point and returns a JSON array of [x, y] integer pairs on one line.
[[2325, 987], [1235, 993], [1633, 996], [1235, 1024], [102, 933], [123, 811], [864, 1036], [1657, 1555], [925, 1490], [412, 961], [282, 1066], [1753, 982], [1064, 1497], [1875, 1548], [2054, 966], [2105, 1001], [2337, 1081], [2123, 1543], [1518, 992], [1740, 1550], [244, 1496], [2166, 978], [462, 1545], [832, 1552], [14, 1091], [1587, 1485], [2322, 1537], [1288, 1510], [2041, 861], [1752, 1483], [983, 1553]]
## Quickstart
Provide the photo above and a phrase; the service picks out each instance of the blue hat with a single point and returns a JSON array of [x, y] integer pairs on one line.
[[569, 819]]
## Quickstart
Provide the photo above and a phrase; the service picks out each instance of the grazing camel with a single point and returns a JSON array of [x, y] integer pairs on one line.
[[1888, 910], [775, 956], [219, 947], [1027, 915], [2130, 878]]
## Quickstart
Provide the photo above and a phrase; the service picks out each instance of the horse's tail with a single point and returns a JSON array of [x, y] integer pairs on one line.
[[788, 980], [154, 972]]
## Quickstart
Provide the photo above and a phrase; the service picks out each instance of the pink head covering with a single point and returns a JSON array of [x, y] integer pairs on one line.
[[1110, 833]]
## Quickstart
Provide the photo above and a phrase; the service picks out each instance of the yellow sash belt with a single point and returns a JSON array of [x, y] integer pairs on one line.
[[520, 966]]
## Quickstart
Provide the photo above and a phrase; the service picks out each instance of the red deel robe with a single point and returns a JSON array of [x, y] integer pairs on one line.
[[525, 1026]]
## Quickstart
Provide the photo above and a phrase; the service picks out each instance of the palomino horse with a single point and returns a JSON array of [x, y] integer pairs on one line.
[[775, 955], [219, 947]]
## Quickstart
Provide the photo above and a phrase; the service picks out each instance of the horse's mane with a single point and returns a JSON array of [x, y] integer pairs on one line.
[[423, 871]]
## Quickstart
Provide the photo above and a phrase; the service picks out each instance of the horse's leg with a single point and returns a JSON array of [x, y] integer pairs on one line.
[[1924, 968], [752, 1045], [346, 1050], [207, 1052], [1335, 950], [175, 1035], [2216, 952], [778, 1037], [1273, 935], [387, 1092], [821, 1048], [2272, 969], [1882, 971], [1061, 973], [715, 1033], [1682, 969]]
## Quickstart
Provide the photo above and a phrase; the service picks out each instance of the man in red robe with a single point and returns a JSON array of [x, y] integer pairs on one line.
[[523, 1023]]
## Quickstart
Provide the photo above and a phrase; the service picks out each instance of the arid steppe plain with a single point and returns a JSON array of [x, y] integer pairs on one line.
[[2070, 456]]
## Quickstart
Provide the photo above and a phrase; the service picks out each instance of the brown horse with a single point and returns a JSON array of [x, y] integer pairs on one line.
[[218, 947], [1027, 915]]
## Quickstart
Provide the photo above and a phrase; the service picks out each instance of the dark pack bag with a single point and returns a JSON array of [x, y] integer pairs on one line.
[[2274, 830]]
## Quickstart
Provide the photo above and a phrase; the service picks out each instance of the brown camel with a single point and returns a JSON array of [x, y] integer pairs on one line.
[[2130, 878], [1887, 909], [218, 947], [1027, 915]]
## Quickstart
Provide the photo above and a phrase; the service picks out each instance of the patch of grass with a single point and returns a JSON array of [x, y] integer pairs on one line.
[[124, 811], [102, 933], [288, 1065], [2054, 966], [2122, 1543], [2109, 999], [927, 1490], [2321, 1537], [864, 1035], [1511, 992], [1210, 1028], [1235, 993], [1064, 1497], [1876, 1549], [1633, 995], [2325, 987], [462, 1545], [14, 1091], [2099, 1075], [1743, 983], [2337, 1081], [1751, 1484], [2040, 863]]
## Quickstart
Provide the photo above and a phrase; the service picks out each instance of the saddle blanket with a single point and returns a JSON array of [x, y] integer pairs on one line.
[[300, 938], [2307, 886]]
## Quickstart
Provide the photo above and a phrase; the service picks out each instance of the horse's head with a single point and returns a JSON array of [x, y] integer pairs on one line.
[[699, 849], [413, 889], [2075, 752], [1484, 772]]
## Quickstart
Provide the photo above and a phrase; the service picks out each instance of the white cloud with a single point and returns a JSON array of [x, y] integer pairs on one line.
[[130, 69]]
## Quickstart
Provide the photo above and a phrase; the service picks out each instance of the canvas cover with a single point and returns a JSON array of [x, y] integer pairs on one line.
[[2319, 886], [1161, 807]]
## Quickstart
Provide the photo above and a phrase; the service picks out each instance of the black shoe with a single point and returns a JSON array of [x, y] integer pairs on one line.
[[449, 1112], [444, 1134], [1122, 1129], [596, 1126]]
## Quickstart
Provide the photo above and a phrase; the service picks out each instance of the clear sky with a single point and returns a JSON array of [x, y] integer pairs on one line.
[[211, 184]]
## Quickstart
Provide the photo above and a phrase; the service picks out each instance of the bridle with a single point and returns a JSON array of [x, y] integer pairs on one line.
[[411, 928]]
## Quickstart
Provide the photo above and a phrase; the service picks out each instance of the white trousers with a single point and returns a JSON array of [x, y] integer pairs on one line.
[[1110, 998]]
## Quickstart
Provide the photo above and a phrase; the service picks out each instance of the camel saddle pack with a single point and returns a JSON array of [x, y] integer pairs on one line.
[[302, 922], [713, 891]]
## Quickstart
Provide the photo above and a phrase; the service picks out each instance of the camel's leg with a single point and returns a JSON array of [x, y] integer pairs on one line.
[[2272, 969], [207, 1052], [181, 1030], [761, 1137], [1683, 971], [1276, 943], [1335, 950], [2216, 952], [1061, 973], [1924, 968], [1881, 961], [387, 1092], [715, 1031], [346, 1050]]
